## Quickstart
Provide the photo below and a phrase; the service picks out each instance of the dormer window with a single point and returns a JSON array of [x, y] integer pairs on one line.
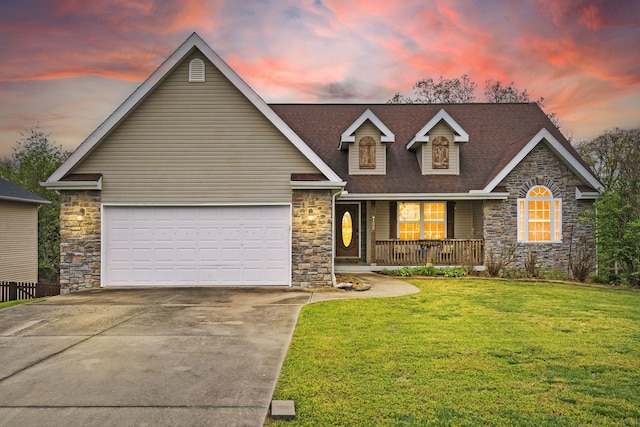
[[440, 152], [367, 140], [367, 153], [437, 145]]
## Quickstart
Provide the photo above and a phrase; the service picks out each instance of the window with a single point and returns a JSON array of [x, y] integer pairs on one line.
[[440, 152], [539, 216], [421, 220], [196, 70], [367, 153]]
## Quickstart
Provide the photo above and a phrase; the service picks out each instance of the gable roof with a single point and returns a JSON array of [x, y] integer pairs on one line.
[[349, 134], [9, 191], [423, 134], [499, 135], [194, 41]]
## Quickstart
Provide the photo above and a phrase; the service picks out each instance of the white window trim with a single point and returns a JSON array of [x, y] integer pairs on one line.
[[523, 218], [421, 220]]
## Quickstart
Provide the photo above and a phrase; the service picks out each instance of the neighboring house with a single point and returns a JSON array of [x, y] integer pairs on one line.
[[18, 233], [195, 180]]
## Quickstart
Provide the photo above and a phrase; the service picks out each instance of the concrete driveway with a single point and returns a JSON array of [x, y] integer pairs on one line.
[[153, 356], [169, 356]]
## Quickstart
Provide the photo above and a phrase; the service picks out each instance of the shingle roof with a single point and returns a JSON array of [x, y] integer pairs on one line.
[[497, 132], [9, 191]]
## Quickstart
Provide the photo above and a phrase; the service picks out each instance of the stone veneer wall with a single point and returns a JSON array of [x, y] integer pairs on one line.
[[79, 240], [311, 245], [540, 167]]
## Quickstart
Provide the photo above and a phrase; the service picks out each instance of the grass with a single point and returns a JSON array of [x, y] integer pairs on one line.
[[8, 304], [468, 353]]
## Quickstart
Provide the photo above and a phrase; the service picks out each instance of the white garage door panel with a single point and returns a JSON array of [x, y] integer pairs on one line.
[[237, 245]]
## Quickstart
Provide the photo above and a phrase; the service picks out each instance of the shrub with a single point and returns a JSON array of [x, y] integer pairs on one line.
[[531, 266], [497, 262], [582, 260]]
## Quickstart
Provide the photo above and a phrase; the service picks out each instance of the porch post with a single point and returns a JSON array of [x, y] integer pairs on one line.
[[372, 209]]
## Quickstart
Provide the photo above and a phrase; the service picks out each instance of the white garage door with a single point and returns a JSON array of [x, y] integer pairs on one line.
[[236, 245]]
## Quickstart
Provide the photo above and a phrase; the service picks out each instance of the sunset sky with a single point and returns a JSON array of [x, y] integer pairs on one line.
[[68, 64]]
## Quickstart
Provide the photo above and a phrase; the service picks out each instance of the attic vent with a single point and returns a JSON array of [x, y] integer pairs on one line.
[[196, 70]]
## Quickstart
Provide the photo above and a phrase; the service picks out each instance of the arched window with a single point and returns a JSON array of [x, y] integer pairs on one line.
[[196, 70], [539, 216]]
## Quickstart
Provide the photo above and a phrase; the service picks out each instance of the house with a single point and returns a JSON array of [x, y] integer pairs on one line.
[[18, 233], [195, 180]]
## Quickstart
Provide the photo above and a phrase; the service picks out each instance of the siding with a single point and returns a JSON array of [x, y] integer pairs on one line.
[[382, 220], [196, 143], [477, 219], [441, 129], [367, 129], [18, 241], [463, 219]]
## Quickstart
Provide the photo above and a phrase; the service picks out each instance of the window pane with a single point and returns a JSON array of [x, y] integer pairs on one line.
[[409, 212], [433, 212], [539, 192], [347, 229], [521, 223], [434, 230], [409, 231]]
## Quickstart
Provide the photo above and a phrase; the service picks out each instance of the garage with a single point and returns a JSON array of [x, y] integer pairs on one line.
[[196, 245]]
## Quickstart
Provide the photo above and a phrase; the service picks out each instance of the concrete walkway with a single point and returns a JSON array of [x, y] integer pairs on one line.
[[153, 356], [381, 287]]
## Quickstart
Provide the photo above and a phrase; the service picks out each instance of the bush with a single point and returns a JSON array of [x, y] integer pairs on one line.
[[497, 262], [426, 270], [531, 266], [582, 260]]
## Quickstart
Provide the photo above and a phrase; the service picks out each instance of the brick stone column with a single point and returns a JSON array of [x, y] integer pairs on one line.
[[311, 245], [80, 223]]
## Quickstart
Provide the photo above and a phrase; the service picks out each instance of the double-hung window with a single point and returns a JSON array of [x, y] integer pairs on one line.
[[421, 220], [539, 216]]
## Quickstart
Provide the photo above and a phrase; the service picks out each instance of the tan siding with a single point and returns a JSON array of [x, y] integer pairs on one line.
[[18, 241], [477, 219], [463, 220], [441, 129], [382, 220], [367, 129], [196, 143]]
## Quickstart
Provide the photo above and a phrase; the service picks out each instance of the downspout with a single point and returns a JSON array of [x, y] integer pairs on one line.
[[334, 195]]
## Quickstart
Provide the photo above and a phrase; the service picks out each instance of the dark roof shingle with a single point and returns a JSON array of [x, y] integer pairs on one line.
[[497, 132], [9, 191]]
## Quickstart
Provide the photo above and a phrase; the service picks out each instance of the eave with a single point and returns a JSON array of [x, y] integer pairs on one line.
[[479, 195]]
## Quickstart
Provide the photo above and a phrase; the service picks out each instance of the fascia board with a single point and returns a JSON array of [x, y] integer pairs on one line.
[[586, 195], [23, 200], [73, 185], [424, 196], [423, 134], [349, 134], [141, 92], [317, 185], [557, 148]]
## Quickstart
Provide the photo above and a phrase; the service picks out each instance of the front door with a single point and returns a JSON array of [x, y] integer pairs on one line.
[[348, 230]]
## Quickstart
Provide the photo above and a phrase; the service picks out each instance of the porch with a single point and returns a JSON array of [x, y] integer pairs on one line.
[[421, 252]]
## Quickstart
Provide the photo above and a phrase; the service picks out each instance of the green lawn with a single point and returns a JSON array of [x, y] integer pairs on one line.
[[8, 304], [468, 352]]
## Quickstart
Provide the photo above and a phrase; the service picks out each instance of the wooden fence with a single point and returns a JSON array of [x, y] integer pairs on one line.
[[11, 291]]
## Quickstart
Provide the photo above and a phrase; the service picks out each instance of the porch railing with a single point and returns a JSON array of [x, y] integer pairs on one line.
[[437, 252]]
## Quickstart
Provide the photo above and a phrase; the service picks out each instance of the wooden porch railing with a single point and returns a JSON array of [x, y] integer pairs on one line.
[[437, 252]]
